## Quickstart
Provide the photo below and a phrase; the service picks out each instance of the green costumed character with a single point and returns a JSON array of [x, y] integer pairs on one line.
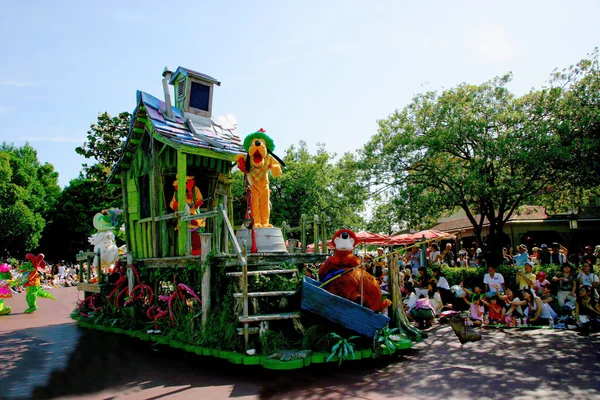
[[31, 278], [5, 285]]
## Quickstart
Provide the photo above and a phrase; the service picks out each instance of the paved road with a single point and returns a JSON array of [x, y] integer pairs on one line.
[[45, 355]]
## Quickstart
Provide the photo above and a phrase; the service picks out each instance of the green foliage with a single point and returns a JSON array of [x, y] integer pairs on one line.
[[104, 141], [343, 349], [312, 185], [383, 340], [473, 276], [316, 338], [77, 204], [483, 149], [272, 341], [28, 192]]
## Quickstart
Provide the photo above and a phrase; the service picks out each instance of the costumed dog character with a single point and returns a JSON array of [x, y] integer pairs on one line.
[[193, 201], [256, 164], [5, 284], [342, 272], [31, 280]]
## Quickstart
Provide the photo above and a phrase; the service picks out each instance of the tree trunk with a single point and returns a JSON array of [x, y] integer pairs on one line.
[[494, 244]]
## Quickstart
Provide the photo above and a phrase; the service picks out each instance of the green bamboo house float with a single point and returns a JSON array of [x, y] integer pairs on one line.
[[240, 293]]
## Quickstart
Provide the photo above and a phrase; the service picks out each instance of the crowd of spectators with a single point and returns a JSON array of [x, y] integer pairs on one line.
[[57, 275], [568, 299]]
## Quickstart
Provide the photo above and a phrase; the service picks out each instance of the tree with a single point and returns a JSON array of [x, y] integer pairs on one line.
[[104, 142], [475, 147], [71, 221], [28, 192], [312, 185]]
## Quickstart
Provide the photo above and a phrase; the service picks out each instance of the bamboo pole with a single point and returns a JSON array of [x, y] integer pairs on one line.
[[205, 243]]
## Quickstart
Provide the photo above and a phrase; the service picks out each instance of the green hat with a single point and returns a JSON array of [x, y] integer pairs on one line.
[[259, 134]]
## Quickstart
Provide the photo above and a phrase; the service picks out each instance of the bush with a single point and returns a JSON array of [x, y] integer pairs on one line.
[[472, 276]]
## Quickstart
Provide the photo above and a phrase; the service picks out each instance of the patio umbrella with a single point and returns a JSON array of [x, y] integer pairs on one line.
[[432, 234], [371, 238], [403, 238]]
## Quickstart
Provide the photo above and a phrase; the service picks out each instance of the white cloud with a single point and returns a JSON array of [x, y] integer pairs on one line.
[[489, 43]]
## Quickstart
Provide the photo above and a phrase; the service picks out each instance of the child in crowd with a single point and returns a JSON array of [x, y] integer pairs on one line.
[[494, 310], [540, 282], [476, 311]]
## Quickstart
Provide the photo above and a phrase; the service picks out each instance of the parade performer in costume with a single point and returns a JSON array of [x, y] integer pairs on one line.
[[31, 280], [256, 163], [5, 285], [343, 276], [193, 200]]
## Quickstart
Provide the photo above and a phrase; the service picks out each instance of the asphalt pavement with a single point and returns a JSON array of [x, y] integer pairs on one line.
[[44, 355]]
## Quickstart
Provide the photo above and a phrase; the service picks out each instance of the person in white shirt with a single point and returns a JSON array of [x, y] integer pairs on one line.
[[586, 277], [434, 255], [494, 282]]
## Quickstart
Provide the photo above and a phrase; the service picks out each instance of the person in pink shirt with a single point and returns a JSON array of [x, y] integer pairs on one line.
[[476, 311], [540, 282]]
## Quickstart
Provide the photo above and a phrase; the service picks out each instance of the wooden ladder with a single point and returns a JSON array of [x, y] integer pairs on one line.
[[245, 318]]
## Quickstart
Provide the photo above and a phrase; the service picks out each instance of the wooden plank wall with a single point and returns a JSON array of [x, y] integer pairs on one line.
[[148, 239]]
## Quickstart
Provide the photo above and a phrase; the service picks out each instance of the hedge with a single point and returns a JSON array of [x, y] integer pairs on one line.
[[473, 276]]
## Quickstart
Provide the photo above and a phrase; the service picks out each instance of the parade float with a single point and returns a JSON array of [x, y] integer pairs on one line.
[[191, 280]]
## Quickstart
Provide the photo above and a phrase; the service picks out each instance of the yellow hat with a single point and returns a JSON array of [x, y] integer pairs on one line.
[[187, 178]]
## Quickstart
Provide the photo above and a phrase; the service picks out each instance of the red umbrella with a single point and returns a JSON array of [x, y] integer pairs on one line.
[[372, 238], [432, 234], [403, 238], [311, 247]]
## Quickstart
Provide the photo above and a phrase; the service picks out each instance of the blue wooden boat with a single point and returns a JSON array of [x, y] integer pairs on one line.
[[339, 310]]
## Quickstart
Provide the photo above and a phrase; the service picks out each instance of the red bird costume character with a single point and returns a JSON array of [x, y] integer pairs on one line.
[[193, 199], [342, 266]]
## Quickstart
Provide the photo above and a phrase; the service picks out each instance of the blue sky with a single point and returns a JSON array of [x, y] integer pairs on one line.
[[319, 71]]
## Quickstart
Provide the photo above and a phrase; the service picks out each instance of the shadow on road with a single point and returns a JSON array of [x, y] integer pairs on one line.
[[62, 360]]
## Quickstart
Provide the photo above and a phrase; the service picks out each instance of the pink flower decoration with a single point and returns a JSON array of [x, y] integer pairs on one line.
[[5, 267]]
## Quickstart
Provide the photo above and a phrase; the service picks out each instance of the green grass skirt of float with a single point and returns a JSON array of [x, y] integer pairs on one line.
[[239, 358], [403, 344]]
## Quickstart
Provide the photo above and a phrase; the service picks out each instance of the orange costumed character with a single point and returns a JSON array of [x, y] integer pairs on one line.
[[193, 200], [256, 164], [343, 268]]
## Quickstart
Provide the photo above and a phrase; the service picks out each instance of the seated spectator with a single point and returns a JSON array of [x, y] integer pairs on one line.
[[494, 310], [411, 298], [588, 255], [494, 282], [587, 310], [540, 282], [549, 300], [476, 311], [587, 277], [512, 304], [566, 286], [536, 312], [526, 280], [434, 297]]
